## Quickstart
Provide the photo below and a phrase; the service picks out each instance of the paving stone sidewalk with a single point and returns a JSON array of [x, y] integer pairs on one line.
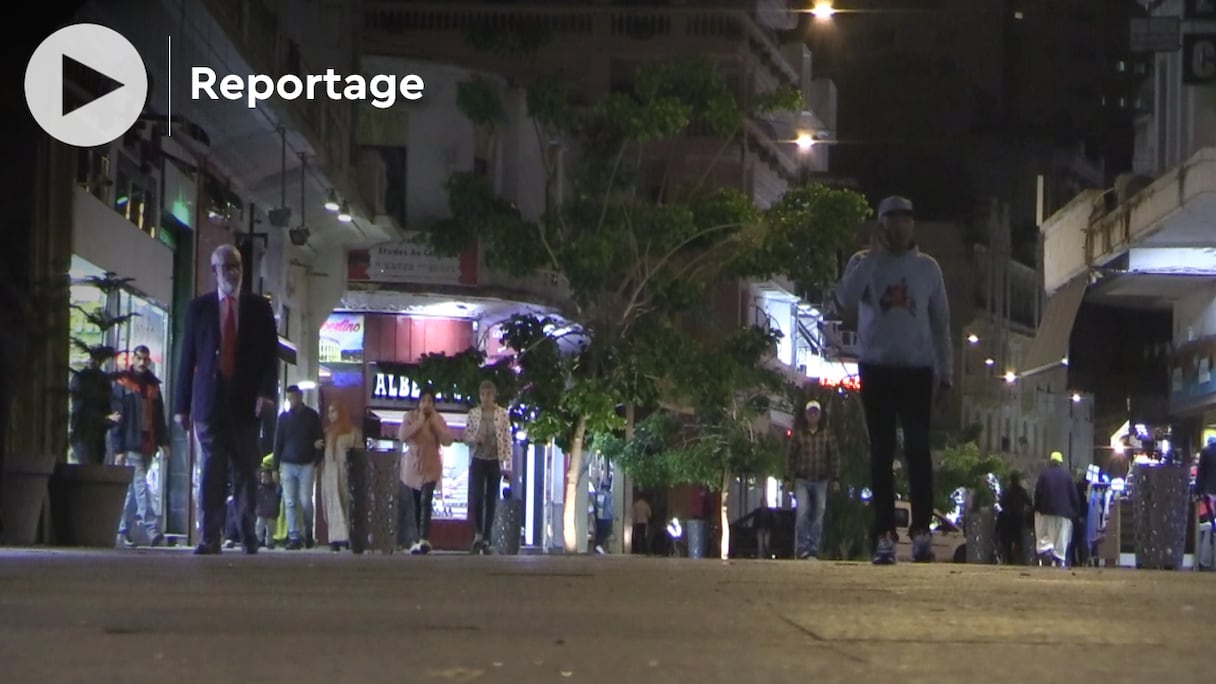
[[169, 617]]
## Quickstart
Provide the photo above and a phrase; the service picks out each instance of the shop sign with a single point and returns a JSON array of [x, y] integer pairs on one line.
[[410, 261], [341, 339], [399, 383], [1198, 58]]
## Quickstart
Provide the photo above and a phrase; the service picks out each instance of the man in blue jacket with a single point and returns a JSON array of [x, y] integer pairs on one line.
[[1055, 507], [298, 450]]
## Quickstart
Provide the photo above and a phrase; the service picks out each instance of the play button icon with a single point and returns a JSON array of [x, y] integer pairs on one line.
[[86, 85], [101, 84]]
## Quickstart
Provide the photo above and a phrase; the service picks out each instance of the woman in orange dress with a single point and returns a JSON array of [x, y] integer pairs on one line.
[[424, 430]]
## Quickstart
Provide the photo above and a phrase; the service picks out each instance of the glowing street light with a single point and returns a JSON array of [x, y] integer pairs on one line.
[[1010, 377], [823, 10], [804, 141], [1076, 398], [973, 339], [990, 362]]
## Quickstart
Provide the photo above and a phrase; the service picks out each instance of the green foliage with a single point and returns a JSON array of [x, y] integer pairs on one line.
[[478, 99], [103, 321], [669, 449], [965, 465], [645, 457], [461, 375], [509, 37], [785, 98], [637, 266], [556, 388], [728, 389], [478, 213], [834, 213], [549, 103]]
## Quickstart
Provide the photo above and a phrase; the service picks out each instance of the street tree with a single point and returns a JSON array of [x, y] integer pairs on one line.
[[713, 426], [634, 250]]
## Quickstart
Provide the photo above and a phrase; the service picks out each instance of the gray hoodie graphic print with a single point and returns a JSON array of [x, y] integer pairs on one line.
[[903, 316]]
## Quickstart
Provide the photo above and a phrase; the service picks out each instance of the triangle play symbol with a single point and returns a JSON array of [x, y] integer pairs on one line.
[[95, 83]]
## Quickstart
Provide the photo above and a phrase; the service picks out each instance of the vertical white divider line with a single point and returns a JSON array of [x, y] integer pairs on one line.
[[169, 87]]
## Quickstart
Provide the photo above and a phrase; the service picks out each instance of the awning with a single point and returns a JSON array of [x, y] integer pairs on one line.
[[1050, 346], [287, 350]]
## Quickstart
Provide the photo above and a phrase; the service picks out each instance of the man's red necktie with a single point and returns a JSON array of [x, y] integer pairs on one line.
[[228, 341]]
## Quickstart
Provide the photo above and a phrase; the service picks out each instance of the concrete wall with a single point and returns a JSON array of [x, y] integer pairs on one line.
[[1064, 241], [103, 237], [1195, 316]]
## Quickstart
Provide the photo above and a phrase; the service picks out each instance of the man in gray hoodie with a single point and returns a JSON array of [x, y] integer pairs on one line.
[[903, 326]]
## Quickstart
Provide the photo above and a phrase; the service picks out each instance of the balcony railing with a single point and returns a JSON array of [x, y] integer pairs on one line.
[[579, 21]]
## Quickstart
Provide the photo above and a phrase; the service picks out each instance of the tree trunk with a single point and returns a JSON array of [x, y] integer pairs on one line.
[[574, 469], [725, 515], [622, 494]]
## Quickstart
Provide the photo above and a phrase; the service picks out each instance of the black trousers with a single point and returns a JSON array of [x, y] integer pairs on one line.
[[891, 394], [423, 501], [229, 448], [484, 478], [406, 527], [90, 447], [1013, 543]]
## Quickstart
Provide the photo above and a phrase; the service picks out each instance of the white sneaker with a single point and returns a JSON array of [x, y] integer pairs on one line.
[[424, 546], [416, 548]]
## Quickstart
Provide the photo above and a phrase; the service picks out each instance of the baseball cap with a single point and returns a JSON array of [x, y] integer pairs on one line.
[[894, 203], [1057, 457], [812, 404]]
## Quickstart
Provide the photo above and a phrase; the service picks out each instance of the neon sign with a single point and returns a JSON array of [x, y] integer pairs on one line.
[[852, 383], [393, 386]]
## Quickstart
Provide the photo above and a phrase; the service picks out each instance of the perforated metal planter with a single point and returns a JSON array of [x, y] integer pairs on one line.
[[1160, 501]]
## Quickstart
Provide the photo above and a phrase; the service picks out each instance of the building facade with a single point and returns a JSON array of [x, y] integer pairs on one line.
[[754, 44], [1130, 270]]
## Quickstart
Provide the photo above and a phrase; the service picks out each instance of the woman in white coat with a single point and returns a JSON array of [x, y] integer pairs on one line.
[[340, 438]]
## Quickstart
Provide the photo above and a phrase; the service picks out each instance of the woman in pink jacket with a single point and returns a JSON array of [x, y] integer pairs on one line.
[[424, 430]]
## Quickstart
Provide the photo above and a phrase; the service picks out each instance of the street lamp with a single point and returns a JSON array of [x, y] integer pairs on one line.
[[823, 10], [805, 141], [1010, 377]]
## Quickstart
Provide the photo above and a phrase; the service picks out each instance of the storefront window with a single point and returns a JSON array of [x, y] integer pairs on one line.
[[149, 326], [84, 299], [452, 494], [135, 196]]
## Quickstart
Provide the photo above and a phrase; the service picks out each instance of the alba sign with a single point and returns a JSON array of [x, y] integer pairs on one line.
[[392, 382]]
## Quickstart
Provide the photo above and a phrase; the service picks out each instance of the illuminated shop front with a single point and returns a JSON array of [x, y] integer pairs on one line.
[[368, 365], [146, 323]]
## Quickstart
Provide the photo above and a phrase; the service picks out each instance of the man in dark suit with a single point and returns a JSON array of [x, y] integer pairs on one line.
[[227, 378]]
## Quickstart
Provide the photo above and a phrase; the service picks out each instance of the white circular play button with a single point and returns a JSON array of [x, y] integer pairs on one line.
[[86, 85]]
